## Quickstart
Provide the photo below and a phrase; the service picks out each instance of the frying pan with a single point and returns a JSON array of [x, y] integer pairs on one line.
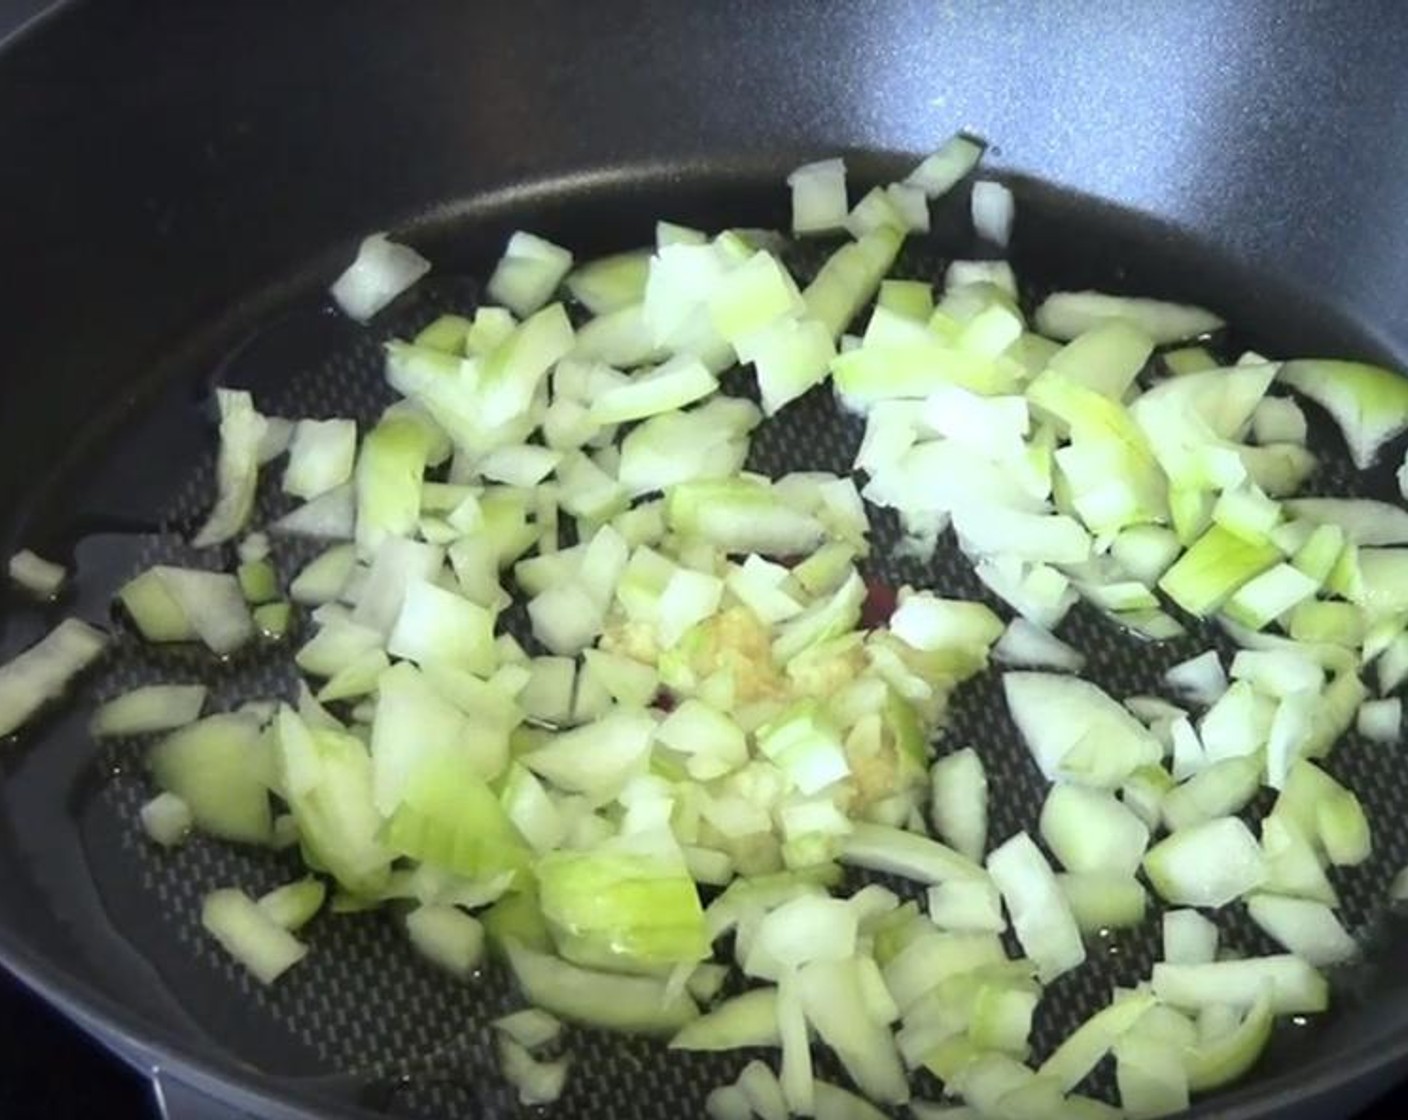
[[179, 180]]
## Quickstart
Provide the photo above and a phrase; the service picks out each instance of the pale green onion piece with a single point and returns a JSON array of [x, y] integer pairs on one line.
[[1028, 646], [833, 1003], [741, 515], [320, 457], [1292, 864], [439, 627], [1223, 788], [447, 937], [446, 333], [1308, 929], [598, 757], [1089, 830], [1293, 985], [1199, 679], [1041, 917], [388, 481], [966, 906], [746, 1020], [43, 672], [382, 270], [892, 850], [850, 277], [211, 602], [1217, 1062], [1083, 1048], [1145, 551], [1380, 721], [237, 471], [626, 1003], [1369, 403], [41, 578], [524, 465], [528, 273], [789, 356], [1150, 1077], [1189, 938], [536, 1082], [1076, 732], [1065, 315], [914, 299], [1278, 420], [728, 1102], [166, 819], [1267, 597], [330, 516], [220, 767], [1207, 864], [157, 707], [249, 935], [818, 197], [938, 173], [1102, 901], [259, 582], [1364, 521], [608, 284], [959, 802], [293, 905], [1214, 567], [531, 1028], [678, 382], [763, 1091], [992, 210]]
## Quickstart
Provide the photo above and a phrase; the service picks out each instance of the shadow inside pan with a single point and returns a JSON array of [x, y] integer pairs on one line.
[[362, 1018]]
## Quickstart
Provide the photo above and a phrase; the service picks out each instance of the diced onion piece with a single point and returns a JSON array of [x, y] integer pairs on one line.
[[1064, 315], [1293, 985], [447, 937], [1369, 403], [849, 278], [1222, 788], [746, 1020], [966, 906], [43, 672], [330, 516], [1189, 938], [212, 603], [1090, 831], [221, 768], [1101, 901], [249, 935], [1308, 929], [41, 578], [833, 1003], [1150, 1077], [818, 197], [166, 819], [320, 457], [157, 707], [992, 212], [1076, 732], [728, 1102], [938, 173], [528, 273], [1208, 864], [1380, 720], [237, 471], [608, 284], [294, 905], [879, 848], [1083, 1048], [530, 1028], [1028, 646], [536, 1082], [959, 803], [1041, 917], [1200, 679], [1363, 520], [382, 271], [617, 1002]]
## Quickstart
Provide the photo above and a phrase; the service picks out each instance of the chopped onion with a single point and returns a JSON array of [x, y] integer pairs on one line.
[[818, 197], [43, 672], [382, 271], [249, 935], [41, 578], [536, 1082], [1064, 315], [237, 472], [1041, 916], [320, 457], [1380, 720], [1370, 404], [992, 212], [158, 707], [528, 273], [166, 819]]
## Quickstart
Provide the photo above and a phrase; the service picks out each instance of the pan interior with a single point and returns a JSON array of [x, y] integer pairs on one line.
[[361, 1019]]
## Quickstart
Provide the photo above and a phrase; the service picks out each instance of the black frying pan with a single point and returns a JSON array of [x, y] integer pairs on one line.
[[180, 180]]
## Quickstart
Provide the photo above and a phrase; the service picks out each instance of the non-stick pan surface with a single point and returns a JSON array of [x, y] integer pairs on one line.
[[108, 463]]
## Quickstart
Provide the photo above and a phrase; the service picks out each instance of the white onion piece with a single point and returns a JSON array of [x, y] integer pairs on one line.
[[992, 212], [41, 578], [1030, 647], [382, 270]]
